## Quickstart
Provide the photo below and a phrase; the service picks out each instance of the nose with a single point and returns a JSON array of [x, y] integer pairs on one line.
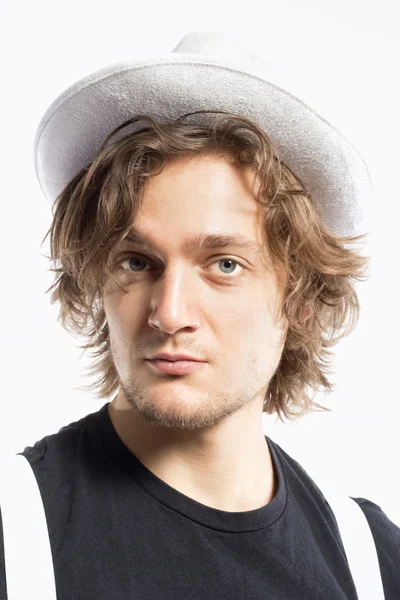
[[173, 303]]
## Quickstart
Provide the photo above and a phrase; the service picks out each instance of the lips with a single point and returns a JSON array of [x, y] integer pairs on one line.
[[177, 367]]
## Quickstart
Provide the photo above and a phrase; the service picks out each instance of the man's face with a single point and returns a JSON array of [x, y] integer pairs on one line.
[[225, 313]]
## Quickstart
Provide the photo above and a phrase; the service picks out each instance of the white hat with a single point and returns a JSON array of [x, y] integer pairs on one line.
[[207, 71]]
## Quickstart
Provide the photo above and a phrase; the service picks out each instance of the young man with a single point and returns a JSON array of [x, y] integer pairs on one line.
[[204, 270]]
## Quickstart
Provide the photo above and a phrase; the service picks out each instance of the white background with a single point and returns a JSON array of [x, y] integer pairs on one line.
[[346, 54]]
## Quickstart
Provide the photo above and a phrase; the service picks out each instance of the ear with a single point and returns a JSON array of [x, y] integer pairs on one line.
[[307, 313]]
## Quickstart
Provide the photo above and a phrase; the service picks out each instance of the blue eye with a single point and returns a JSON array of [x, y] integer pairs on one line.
[[134, 258], [227, 260]]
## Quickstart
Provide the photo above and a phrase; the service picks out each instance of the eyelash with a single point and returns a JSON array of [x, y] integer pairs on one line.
[[226, 276]]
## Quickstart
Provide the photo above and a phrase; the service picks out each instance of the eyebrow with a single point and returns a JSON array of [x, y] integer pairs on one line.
[[203, 241]]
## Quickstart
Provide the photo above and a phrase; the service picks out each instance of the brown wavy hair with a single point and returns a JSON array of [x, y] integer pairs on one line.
[[94, 212]]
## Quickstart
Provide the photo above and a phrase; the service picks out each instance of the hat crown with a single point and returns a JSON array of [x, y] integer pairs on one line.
[[214, 44], [219, 46]]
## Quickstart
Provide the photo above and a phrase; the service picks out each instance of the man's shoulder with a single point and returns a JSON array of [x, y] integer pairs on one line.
[[379, 521], [386, 536], [52, 447]]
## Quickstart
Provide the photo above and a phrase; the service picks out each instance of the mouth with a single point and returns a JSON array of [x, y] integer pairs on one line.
[[177, 367]]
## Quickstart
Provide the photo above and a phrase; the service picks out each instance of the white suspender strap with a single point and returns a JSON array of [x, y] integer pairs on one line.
[[27, 551], [358, 543]]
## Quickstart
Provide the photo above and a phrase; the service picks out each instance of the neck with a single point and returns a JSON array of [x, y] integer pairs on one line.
[[230, 470]]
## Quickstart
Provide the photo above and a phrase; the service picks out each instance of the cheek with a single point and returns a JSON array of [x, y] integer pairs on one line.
[[269, 331], [120, 315]]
